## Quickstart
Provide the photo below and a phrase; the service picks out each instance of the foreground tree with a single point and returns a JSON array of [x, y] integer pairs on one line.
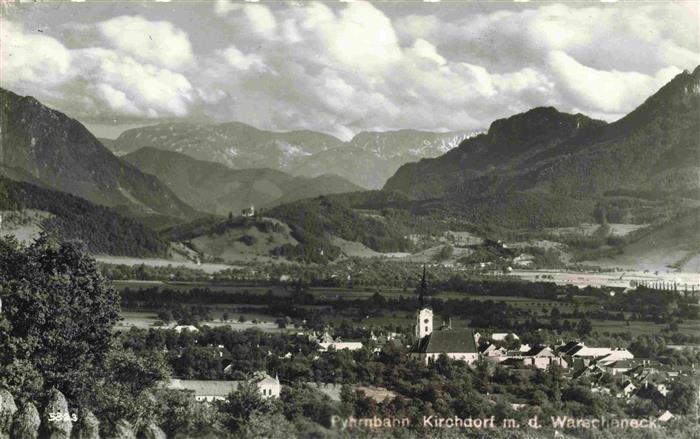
[[56, 318]]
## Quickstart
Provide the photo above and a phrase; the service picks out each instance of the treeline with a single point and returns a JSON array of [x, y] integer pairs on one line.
[[313, 221], [102, 229]]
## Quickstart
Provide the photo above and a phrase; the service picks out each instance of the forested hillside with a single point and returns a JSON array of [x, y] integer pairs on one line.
[[44, 146], [565, 165], [102, 229]]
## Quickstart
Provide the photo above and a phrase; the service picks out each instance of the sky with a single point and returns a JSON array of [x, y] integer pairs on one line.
[[342, 67]]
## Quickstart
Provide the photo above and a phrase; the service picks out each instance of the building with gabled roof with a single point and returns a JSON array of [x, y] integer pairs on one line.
[[218, 390], [458, 344]]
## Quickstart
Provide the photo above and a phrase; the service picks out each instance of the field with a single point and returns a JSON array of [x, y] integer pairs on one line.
[[244, 243], [124, 260], [586, 229], [24, 225], [146, 319], [675, 245], [620, 279], [538, 307]]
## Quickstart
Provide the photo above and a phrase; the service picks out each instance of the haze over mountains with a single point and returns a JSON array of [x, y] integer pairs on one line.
[[216, 188], [368, 160]]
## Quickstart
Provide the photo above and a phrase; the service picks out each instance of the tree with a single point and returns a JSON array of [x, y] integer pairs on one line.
[[446, 252], [683, 397], [584, 327], [244, 403], [56, 318], [183, 415]]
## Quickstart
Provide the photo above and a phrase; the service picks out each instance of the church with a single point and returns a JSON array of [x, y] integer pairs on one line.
[[458, 344]]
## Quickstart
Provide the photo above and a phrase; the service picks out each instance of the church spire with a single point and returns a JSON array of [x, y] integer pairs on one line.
[[423, 289]]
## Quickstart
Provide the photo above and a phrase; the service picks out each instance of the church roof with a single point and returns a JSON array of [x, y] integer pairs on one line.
[[446, 341]]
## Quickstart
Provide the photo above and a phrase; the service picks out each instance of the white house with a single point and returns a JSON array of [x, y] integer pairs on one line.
[[269, 387], [666, 416], [542, 357], [180, 328], [218, 390], [340, 345]]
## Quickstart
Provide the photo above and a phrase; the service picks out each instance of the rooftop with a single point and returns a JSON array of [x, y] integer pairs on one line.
[[445, 341]]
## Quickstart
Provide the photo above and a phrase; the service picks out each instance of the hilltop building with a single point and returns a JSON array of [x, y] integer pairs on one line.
[[248, 212], [458, 344]]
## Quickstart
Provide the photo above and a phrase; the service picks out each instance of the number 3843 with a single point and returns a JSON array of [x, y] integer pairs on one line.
[[62, 417]]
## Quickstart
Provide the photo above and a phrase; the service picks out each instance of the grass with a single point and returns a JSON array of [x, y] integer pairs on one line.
[[146, 319]]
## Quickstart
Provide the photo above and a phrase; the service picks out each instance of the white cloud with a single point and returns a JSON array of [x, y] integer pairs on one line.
[[342, 68], [155, 42], [241, 61], [93, 81], [261, 18], [125, 84], [31, 59], [608, 91]]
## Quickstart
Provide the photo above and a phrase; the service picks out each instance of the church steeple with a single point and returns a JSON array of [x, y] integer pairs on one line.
[[423, 289], [424, 317]]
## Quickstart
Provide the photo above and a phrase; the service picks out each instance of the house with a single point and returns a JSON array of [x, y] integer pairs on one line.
[[269, 387], [180, 328], [524, 348], [580, 355], [491, 350], [340, 345], [326, 342], [666, 416], [619, 366], [628, 389], [205, 390], [218, 390], [542, 357]]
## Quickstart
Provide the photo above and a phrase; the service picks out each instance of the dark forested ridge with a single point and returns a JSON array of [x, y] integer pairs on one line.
[[218, 189], [46, 147], [558, 159], [314, 221], [102, 229]]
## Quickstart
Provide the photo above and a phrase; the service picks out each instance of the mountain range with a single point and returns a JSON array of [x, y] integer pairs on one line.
[[549, 157], [368, 160], [216, 188], [47, 148], [531, 171]]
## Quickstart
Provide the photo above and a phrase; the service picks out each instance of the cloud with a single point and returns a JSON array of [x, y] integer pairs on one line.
[[607, 91], [91, 81], [346, 67], [240, 61], [155, 42], [125, 85], [31, 59]]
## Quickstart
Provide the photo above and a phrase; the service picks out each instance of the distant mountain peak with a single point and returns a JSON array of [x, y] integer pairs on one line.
[[538, 122]]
